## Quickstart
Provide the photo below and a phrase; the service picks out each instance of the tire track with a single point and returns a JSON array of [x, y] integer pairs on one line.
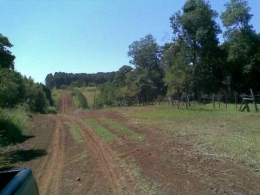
[[50, 171], [105, 163]]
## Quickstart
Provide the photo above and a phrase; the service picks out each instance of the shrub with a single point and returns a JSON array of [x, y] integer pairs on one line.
[[51, 110]]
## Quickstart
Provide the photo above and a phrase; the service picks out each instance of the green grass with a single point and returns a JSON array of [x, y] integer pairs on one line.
[[13, 124], [77, 135], [101, 131], [120, 127], [55, 95], [221, 133], [75, 131]]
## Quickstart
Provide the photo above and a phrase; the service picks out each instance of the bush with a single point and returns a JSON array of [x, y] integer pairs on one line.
[[63, 87], [51, 110]]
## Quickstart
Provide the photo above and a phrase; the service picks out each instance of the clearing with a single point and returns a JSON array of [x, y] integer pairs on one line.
[[128, 151]]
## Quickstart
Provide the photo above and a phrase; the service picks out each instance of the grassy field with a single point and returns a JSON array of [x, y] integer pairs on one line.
[[219, 133]]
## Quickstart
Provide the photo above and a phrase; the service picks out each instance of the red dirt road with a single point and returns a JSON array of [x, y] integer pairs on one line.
[[155, 165]]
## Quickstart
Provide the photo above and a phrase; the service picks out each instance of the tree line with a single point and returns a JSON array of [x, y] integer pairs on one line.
[[194, 61], [16, 89], [59, 80]]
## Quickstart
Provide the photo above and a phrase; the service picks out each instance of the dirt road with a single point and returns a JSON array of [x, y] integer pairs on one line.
[[71, 158], [62, 171]]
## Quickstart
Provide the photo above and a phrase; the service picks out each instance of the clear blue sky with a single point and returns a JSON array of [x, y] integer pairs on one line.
[[86, 36]]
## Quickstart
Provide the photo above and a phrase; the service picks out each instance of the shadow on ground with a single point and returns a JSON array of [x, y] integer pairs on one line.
[[10, 158]]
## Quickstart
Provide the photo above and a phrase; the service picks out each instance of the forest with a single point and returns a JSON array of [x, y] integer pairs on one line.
[[193, 63]]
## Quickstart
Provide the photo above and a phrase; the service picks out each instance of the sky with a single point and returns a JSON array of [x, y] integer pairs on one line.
[[87, 36]]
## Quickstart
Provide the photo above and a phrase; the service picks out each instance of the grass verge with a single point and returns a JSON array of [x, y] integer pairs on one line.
[[13, 123], [55, 96]]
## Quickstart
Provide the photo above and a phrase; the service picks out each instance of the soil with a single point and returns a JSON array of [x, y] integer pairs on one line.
[[65, 165]]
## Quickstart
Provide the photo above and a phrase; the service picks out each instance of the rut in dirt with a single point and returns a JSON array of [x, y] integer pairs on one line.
[[107, 172], [50, 170], [104, 175]]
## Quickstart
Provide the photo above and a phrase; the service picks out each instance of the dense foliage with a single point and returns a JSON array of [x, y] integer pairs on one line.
[[16, 89]]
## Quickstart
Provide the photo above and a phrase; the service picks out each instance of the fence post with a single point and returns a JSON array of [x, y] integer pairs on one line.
[[253, 97], [236, 99], [213, 100]]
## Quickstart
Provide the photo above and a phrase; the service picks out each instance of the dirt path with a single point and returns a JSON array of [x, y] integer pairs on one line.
[[65, 103], [50, 170], [104, 175], [107, 174]]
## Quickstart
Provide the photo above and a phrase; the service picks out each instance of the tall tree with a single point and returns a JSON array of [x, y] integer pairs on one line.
[[242, 45], [6, 57], [12, 88], [179, 71], [120, 76], [145, 55], [196, 26]]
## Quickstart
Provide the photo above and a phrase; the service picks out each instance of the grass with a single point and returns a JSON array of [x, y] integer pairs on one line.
[[13, 124], [101, 131], [55, 95], [221, 133], [74, 129], [120, 127]]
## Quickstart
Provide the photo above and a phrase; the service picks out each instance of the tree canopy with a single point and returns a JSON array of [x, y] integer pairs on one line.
[[6, 57]]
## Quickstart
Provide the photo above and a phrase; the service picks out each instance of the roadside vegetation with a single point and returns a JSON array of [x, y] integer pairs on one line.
[[13, 123], [18, 96]]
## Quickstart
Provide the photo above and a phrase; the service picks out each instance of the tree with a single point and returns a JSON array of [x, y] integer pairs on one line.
[[178, 74], [242, 46], [196, 26], [121, 75], [237, 16], [12, 88], [107, 95], [6, 57], [82, 100], [145, 55]]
